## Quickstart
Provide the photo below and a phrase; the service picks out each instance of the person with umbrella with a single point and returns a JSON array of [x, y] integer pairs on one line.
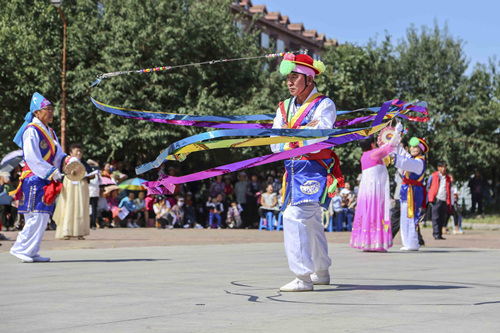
[[11, 160], [39, 182]]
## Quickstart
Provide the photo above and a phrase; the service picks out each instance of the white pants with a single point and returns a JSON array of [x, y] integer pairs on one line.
[[305, 241], [409, 235], [29, 239]]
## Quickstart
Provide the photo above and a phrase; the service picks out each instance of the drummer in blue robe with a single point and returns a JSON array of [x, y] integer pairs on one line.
[[40, 179]]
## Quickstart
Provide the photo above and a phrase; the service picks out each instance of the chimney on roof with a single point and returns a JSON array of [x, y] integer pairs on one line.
[[258, 9]]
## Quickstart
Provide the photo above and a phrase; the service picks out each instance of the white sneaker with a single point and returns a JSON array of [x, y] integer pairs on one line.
[[321, 278], [135, 225], [404, 248], [22, 257], [39, 258], [298, 285], [129, 225]]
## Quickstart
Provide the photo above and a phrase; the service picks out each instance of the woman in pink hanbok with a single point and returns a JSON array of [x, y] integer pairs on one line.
[[371, 230]]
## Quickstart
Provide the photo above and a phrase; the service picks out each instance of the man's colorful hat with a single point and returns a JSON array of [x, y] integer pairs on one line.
[[38, 102], [301, 63], [417, 142]]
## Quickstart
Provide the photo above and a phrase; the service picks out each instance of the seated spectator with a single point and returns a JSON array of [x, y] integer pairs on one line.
[[140, 206], [269, 204], [111, 193], [216, 208], [234, 215], [104, 214], [164, 216], [178, 210], [128, 203]]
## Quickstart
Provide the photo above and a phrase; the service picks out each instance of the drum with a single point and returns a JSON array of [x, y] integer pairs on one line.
[[385, 136]]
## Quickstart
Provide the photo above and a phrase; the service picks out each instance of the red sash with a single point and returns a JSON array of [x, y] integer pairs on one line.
[[410, 197]]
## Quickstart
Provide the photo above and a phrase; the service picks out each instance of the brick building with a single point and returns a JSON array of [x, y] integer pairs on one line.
[[277, 33]]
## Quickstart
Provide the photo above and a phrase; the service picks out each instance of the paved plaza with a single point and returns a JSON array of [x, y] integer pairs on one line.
[[148, 280]]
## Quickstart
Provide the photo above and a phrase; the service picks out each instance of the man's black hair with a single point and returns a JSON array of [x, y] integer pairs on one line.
[[75, 145], [441, 163]]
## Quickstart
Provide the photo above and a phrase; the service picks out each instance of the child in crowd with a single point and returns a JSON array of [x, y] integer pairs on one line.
[[234, 215], [164, 216], [216, 208], [128, 203]]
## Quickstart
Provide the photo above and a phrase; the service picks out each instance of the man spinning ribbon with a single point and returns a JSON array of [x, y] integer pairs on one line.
[[39, 182], [309, 179]]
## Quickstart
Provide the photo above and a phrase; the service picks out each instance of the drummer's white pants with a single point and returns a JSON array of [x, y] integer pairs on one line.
[[409, 235], [29, 239], [305, 241]]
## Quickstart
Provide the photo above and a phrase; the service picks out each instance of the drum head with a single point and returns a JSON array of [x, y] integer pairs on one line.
[[385, 136]]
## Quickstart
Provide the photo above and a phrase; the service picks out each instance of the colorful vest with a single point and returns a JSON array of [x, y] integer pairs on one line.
[[31, 189], [313, 177], [412, 189], [47, 145]]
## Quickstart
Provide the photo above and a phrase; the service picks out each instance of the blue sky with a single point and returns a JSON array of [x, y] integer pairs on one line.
[[475, 22]]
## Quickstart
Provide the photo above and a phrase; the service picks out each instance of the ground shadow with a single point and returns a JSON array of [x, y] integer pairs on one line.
[[400, 287], [444, 250], [106, 260]]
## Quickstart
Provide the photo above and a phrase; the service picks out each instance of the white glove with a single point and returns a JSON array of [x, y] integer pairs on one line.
[[396, 138], [56, 176], [73, 159], [399, 128]]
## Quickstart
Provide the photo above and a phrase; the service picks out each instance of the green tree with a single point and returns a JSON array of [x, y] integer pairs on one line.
[[125, 36]]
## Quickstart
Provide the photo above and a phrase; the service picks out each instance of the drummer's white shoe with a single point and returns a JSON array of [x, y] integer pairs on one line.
[[39, 258], [320, 278], [298, 285], [23, 257]]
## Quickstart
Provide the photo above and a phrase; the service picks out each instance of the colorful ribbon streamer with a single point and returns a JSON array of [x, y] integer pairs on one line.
[[255, 130], [344, 118]]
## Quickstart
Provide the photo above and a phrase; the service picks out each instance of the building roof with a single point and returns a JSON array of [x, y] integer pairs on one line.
[[273, 16], [296, 27], [275, 20], [284, 20], [258, 9], [310, 33]]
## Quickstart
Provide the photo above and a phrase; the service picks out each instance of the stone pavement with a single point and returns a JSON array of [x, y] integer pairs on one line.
[[148, 280]]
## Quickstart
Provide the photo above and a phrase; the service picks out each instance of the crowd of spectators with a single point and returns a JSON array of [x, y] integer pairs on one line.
[[236, 200]]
